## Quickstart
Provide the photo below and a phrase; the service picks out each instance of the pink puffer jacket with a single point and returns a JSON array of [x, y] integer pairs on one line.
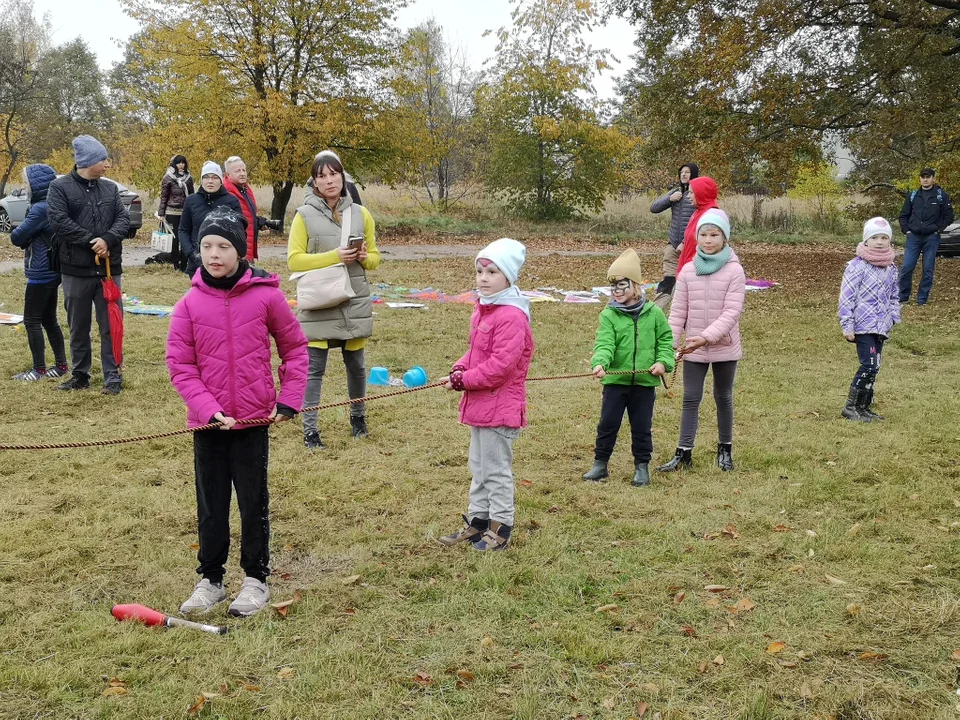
[[710, 306], [219, 352], [497, 362]]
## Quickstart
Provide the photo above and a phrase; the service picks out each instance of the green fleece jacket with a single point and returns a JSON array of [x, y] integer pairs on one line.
[[633, 341]]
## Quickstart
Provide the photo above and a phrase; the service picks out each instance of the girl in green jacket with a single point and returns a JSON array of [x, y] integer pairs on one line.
[[634, 335]]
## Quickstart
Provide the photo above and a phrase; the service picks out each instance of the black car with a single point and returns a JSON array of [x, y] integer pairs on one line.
[[950, 241]]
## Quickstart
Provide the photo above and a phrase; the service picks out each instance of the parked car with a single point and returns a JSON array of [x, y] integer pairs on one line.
[[950, 241], [13, 209]]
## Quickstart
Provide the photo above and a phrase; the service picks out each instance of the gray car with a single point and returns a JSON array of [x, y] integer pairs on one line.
[[13, 208]]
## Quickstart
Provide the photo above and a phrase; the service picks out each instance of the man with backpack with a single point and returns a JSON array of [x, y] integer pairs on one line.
[[925, 214]]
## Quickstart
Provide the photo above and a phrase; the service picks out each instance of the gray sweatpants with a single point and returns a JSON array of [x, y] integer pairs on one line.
[[491, 463], [353, 361], [80, 294], [694, 375]]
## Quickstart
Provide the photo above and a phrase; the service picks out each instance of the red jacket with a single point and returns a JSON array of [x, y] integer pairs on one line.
[[219, 354], [705, 190], [248, 204]]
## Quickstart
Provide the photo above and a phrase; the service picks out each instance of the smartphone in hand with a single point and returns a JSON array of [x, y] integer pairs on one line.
[[355, 242]]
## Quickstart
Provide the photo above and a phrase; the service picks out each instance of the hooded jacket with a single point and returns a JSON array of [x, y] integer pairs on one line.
[[219, 353], [34, 234], [869, 298], [174, 189], [195, 209], [710, 306], [926, 211], [633, 340], [248, 205], [680, 211], [705, 190], [82, 210]]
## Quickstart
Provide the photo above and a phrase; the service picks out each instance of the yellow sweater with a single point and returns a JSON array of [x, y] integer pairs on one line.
[[299, 260]]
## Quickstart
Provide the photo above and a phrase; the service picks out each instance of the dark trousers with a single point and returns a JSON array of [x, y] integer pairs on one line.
[[222, 458], [178, 258], [80, 295], [39, 314], [917, 245], [638, 401], [869, 350], [694, 376]]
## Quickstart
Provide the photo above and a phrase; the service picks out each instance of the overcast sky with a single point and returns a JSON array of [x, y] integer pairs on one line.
[[106, 28]]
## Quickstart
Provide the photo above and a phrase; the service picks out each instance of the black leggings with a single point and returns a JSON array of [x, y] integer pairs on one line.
[[694, 374], [869, 352], [39, 314]]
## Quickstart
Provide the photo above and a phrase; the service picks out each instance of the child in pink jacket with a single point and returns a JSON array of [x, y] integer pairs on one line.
[[493, 379], [706, 310], [218, 354]]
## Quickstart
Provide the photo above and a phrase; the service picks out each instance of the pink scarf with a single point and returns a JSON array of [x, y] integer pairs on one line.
[[880, 258]]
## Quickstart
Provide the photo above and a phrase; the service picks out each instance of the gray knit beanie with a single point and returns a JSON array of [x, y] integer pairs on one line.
[[88, 151]]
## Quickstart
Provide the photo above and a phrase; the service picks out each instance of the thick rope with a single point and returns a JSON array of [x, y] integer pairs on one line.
[[342, 403]]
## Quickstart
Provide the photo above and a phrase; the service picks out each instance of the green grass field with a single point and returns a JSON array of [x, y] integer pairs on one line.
[[837, 544]]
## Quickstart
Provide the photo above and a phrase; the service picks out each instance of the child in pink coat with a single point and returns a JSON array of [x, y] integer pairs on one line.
[[493, 379], [218, 354], [706, 310]]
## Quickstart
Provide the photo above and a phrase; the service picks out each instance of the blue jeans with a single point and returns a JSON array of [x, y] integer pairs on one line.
[[917, 245]]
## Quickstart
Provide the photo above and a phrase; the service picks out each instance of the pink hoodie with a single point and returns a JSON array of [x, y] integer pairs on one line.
[[497, 362], [219, 354], [710, 306]]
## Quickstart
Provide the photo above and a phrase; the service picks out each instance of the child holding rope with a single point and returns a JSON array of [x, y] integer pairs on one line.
[[706, 310], [493, 379], [634, 339], [218, 354], [869, 308]]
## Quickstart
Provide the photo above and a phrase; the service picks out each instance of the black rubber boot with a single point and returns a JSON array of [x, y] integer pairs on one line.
[[865, 410], [472, 531], [497, 537], [359, 425], [682, 460], [725, 456], [641, 475], [312, 441], [850, 410], [598, 472]]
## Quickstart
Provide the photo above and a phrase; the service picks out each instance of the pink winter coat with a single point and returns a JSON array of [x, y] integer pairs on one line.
[[219, 353], [710, 306], [497, 362]]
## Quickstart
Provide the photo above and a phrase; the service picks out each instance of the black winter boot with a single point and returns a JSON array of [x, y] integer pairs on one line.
[[725, 456], [641, 475], [851, 410], [682, 460], [359, 425], [312, 441], [865, 410], [472, 530], [497, 537], [598, 472]]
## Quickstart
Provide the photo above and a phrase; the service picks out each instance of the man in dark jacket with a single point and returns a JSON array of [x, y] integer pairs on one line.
[[925, 214], [211, 194], [90, 222]]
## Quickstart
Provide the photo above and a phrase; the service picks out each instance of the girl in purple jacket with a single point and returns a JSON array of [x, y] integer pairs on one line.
[[869, 308], [218, 354], [493, 379]]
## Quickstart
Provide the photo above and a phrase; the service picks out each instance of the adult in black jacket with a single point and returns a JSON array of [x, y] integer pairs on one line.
[[175, 187], [925, 214], [211, 194], [90, 222]]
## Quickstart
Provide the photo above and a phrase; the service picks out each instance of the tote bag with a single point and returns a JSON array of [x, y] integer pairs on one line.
[[329, 286], [162, 239]]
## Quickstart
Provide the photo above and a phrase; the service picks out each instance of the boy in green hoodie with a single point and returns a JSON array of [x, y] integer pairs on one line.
[[634, 335]]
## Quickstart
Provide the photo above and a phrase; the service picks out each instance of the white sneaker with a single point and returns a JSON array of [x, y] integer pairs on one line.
[[205, 595], [253, 596]]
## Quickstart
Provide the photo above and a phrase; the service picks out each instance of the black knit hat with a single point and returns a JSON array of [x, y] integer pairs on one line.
[[229, 224]]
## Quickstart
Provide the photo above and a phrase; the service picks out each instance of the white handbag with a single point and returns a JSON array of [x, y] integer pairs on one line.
[[329, 286], [162, 239]]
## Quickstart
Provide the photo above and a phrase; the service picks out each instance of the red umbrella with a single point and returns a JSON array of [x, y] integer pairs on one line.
[[111, 293]]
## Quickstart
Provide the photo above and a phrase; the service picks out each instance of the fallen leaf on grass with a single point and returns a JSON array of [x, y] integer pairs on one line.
[[114, 690], [486, 642], [798, 569], [712, 602], [252, 688], [811, 533], [423, 679], [504, 690], [711, 536], [611, 607], [805, 692], [873, 656], [195, 546], [525, 483], [650, 689], [854, 609], [195, 709], [834, 580], [731, 532], [553, 509], [351, 580], [775, 647], [610, 703], [283, 607], [703, 666], [854, 529], [689, 631], [286, 673], [350, 612], [787, 663], [716, 588], [782, 528], [641, 709], [115, 681], [742, 605], [955, 655], [210, 695], [718, 660], [679, 597], [804, 655], [465, 675]]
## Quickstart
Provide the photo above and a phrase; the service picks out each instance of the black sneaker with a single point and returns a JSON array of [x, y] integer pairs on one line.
[[359, 425], [112, 388], [312, 441], [75, 383]]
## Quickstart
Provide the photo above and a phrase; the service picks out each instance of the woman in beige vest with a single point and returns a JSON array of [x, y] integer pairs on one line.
[[315, 243]]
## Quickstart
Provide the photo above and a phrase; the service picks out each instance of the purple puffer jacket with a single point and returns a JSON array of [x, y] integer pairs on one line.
[[219, 354], [497, 362], [869, 298]]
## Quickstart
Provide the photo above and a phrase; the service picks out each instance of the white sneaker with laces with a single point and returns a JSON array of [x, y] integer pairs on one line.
[[253, 596], [204, 597]]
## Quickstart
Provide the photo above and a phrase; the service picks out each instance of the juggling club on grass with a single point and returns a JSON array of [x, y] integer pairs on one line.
[[149, 616]]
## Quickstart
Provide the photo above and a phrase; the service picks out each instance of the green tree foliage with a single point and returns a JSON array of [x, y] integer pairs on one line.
[[547, 152], [271, 80], [736, 82], [817, 183]]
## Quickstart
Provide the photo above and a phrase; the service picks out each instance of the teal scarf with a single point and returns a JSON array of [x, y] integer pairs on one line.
[[708, 264]]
